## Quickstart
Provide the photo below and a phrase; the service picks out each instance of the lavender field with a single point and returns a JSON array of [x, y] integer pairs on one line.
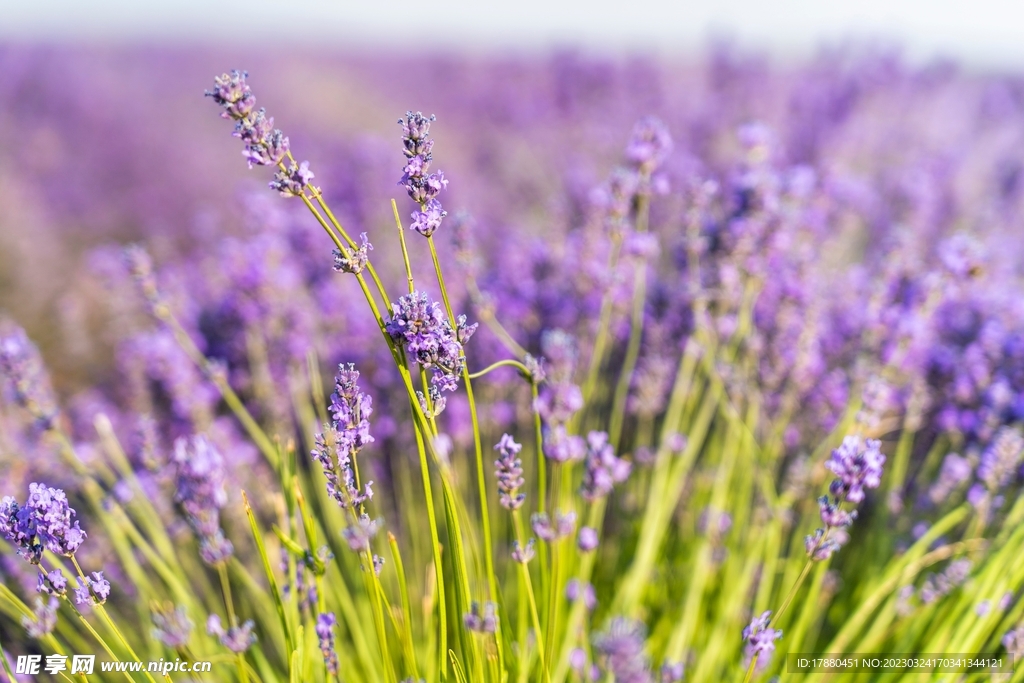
[[587, 369]]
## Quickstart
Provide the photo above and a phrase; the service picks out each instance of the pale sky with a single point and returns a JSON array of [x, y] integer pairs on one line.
[[980, 32]]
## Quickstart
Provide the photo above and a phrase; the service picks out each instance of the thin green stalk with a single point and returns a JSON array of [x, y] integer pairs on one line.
[[403, 590], [442, 651]]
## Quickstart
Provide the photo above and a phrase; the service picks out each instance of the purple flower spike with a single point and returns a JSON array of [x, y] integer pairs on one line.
[[422, 185], [344, 438], [264, 144], [858, 465], [360, 534], [199, 484], [172, 628], [621, 648], [42, 523], [761, 639], [291, 182], [547, 530], [603, 468], [482, 620], [52, 583], [521, 554], [649, 144], [356, 259], [587, 540], [231, 92], [238, 639], [420, 326], [25, 376], [325, 633], [509, 470], [1000, 461], [44, 618]]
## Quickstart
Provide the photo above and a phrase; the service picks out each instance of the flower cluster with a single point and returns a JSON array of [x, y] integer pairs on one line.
[[359, 534], [44, 618], [482, 619], [620, 649], [264, 144], [563, 525], [199, 489], [419, 325], [560, 398], [21, 369], [173, 628], [325, 634], [235, 638], [92, 586], [354, 260], [348, 433], [422, 185], [42, 523], [760, 638], [509, 470], [602, 469], [857, 464]]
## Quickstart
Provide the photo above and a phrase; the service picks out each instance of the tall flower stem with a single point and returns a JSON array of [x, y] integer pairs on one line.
[[435, 543], [492, 582], [102, 611], [517, 523]]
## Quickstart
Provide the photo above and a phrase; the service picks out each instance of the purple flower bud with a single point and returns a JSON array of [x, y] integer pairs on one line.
[[44, 618], [359, 534], [621, 648], [482, 620], [602, 468], [290, 182], [587, 540], [53, 583], [521, 554], [564, 525], [509, 471], [672, 672], [760, 639], [238, 639], [356, 259], [574, 590], [172, 628]]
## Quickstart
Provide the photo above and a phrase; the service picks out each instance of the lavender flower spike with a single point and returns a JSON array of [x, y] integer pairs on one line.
[[325, 633], [264, 144], [509, 470], [237, 638], [199, 483], [482, 620], [349, 432], [22, 370], [761, 639], [44, 618], [42, 523], [602, 468], [172, 628], [420, 326], [422, 185], [858, 465], [621, 648]]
